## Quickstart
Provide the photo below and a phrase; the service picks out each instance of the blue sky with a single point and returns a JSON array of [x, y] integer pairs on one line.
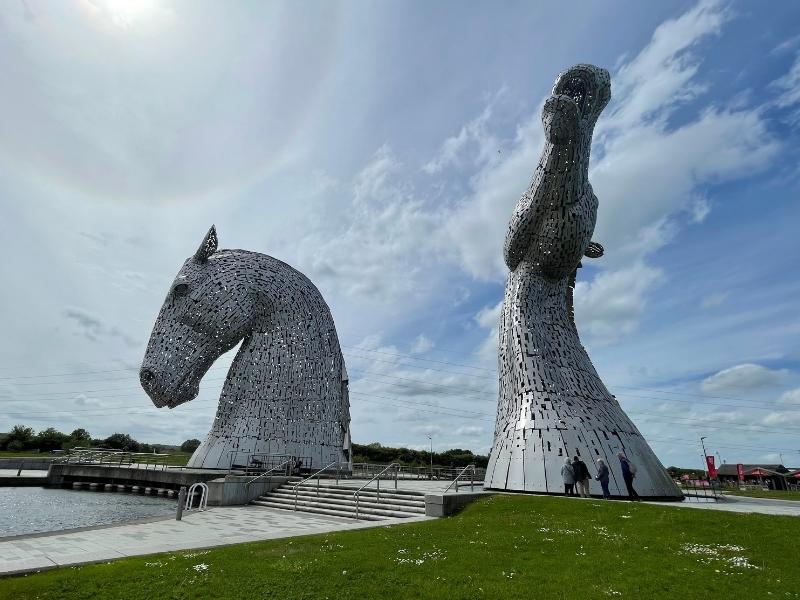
[[380, 148]]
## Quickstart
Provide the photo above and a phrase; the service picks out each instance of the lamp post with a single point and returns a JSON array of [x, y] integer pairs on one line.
[[430, 437], [705, 455]]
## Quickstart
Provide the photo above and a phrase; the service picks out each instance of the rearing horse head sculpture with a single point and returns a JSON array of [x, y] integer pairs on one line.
[[286, 390]]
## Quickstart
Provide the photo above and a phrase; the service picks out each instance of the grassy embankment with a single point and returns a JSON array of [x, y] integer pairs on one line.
[[772, 494], [501, 547], [177, 459]]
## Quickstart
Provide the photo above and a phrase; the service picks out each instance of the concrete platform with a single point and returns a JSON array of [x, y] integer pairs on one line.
[[9, 478], [219, 526]]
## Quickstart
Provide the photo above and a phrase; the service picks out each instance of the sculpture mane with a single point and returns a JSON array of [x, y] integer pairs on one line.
[[286, 390], [552, 403]]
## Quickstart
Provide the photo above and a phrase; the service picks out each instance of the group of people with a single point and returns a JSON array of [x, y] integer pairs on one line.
[[576, 477]]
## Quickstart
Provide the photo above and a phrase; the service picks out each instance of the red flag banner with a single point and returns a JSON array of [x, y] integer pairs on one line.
[[712, 469], [740, 471]]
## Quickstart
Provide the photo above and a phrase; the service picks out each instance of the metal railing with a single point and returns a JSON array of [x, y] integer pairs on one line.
[[316, 475], [374, 477], [471, 469], [696, 490], [411, 472], [287, 466], [203, 503], [118, 458]]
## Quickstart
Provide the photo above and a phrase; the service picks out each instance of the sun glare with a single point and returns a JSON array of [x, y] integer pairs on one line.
[[126, 13]]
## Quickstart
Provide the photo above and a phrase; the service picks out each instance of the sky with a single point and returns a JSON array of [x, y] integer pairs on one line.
[[380, 149]]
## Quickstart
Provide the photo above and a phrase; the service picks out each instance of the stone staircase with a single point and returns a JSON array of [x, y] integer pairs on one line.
[[338, 501]]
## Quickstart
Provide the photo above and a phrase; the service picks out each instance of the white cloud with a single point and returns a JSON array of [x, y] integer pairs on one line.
[[789, 86], [784, 419], [470, 430], [714, 300], [433, 430], [790, 397], [422, 344], [611, 304], [475, 137], [743, 378], [699, 210], [377, 239], [489, 318]]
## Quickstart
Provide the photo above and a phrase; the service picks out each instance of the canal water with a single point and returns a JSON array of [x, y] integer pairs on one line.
[[33, 509]]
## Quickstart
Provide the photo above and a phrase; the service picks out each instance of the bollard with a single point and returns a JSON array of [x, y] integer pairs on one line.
[[181, 501]]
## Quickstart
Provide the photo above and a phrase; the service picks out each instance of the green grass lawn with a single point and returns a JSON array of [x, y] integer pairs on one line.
[[500, 547], [25, 454], [774, 494]]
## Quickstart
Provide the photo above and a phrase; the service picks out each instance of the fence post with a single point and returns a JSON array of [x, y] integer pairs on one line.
[[181, 501]]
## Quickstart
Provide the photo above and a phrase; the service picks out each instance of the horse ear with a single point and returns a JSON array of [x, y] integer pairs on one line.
[[208, 247]]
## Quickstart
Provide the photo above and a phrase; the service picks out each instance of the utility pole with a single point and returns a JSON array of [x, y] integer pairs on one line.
[[705, 455]]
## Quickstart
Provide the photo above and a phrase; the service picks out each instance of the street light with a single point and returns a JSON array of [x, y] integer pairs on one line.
[[705, 456], [430, 437]]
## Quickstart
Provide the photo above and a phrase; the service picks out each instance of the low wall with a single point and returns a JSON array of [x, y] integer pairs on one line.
[[444, 505], [22, 481], [61, 474], [29, 464], [233, 489]]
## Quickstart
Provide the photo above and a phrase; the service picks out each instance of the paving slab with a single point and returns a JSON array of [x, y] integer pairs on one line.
[[217, 526]]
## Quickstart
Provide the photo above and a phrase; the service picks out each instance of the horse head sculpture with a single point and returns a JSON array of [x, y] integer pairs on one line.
[[286, 390]]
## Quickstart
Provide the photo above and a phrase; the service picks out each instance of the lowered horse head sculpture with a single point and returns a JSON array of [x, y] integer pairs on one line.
[[286, 390]]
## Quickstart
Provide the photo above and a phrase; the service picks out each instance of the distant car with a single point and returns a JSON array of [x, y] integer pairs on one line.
[[56, 452]]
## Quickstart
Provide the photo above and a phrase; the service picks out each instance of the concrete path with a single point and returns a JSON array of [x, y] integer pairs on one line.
[[742, 504], [218, 526]]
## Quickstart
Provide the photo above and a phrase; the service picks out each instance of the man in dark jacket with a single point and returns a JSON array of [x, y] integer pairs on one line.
[[628, 473], [582, 477]]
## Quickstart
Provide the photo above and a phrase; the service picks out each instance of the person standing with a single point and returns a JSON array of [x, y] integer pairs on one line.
[[568, 475], [628, 473], [602, 477], [582, 476]]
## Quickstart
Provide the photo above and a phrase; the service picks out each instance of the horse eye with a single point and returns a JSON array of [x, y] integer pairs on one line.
[[181, 289]]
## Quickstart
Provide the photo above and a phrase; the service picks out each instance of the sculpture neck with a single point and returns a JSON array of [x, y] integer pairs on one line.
[[564, 164]]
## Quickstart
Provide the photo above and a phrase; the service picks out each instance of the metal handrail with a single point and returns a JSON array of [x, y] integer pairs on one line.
[[280, 466], [378, 477], [325, 468], [455, 481]]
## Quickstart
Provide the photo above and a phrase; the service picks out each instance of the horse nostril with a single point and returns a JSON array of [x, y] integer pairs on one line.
[[146, 376]]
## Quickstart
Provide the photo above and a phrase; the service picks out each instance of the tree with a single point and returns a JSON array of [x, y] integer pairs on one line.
[[20, 438], [50, 439], [80, 435], [78, 438], [190, 445], [121, 441]]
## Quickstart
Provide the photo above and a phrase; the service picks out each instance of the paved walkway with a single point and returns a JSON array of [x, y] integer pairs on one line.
[[743, 504], [218, 526]]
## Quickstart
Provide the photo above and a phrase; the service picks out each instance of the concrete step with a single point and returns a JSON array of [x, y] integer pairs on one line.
[[393, 505], [320, 511], [365, 493], [384, 499], [349, 508]]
